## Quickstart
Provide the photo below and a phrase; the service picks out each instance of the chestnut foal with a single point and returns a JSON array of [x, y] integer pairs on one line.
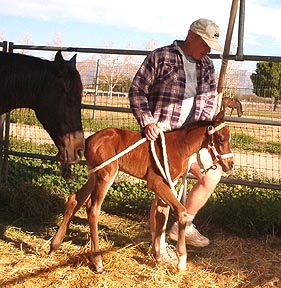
[[180, 145]]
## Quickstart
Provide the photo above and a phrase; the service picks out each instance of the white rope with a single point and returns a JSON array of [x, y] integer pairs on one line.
[[165, 173], [117, 156], [156, 159]]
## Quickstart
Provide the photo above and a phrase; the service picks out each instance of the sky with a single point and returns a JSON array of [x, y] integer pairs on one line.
[[129, 24]]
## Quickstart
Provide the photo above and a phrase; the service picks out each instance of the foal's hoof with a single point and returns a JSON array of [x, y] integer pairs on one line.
[[99, 270], [182, 264], [52, 251], [53, 247], [181, 269], [97, 267]]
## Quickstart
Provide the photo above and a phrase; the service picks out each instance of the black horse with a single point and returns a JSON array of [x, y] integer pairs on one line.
[[53, 89]]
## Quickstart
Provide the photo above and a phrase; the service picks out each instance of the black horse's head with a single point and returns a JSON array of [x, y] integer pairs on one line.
[[58, 108]]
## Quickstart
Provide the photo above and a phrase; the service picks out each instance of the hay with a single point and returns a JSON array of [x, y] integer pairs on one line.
[[228, 262]]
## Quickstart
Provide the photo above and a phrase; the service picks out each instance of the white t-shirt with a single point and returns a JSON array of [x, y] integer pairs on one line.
[[190, 88]]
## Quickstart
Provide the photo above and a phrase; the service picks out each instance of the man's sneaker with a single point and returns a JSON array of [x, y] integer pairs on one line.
[[192, 236], [168, 254]]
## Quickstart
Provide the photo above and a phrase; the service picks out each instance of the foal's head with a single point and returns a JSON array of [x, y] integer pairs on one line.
[[219, 142]]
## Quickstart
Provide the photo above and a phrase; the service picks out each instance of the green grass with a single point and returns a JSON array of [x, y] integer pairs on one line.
[[103, 119], [245, 211], [259, 113], [250, 143], [24, 116]]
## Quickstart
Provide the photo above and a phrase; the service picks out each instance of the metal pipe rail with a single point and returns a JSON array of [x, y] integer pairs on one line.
[[235, 57]]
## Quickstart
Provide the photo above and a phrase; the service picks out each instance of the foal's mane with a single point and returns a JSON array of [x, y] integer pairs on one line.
[[194, 126]]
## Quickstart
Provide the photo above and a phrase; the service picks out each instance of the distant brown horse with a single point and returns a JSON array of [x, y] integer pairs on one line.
[[139, 163], [232, 103], [53, 89]]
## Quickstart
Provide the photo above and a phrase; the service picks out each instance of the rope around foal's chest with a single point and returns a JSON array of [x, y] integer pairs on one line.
[[165, 173], [117, 156]]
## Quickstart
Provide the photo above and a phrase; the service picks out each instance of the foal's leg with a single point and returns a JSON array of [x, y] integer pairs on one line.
[[104, 179], [163, 191], [159, 214], [74, 203]]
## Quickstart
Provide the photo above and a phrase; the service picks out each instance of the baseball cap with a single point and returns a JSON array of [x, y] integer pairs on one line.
[[208, 31]]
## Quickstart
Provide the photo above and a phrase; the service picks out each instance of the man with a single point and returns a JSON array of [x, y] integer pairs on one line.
[[175, 86]]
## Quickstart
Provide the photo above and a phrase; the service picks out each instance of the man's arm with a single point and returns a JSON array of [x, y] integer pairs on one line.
[[139, 90]]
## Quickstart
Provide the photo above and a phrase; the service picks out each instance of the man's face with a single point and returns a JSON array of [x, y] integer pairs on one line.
[[198, 47]]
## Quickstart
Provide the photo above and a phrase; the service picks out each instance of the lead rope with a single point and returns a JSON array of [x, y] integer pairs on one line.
[[165, 173], [132, 147]]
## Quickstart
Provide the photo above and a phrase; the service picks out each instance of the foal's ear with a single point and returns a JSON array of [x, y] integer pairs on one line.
[[219, 117]]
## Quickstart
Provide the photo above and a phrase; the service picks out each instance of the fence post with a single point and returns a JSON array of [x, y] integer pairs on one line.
[[6, 141], [96, 87], [3, 156]]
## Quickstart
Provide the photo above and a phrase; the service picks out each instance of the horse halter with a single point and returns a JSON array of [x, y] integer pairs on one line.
[[211, 145]]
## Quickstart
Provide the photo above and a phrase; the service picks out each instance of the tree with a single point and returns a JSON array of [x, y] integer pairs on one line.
[[26, 39], [267, 79], [123, 85], [232, 77], [111, 70], [58, 41], [2, 35]]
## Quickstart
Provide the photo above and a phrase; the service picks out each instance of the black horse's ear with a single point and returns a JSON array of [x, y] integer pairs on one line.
[[72, 61], [58, 58], [59, 63]]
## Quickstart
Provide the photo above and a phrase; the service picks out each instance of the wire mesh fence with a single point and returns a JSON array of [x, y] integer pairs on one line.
[[256, 136], [257, 150]]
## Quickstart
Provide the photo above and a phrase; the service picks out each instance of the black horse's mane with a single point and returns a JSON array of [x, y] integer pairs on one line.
[[22, 59], [29, 75], [16, 67]]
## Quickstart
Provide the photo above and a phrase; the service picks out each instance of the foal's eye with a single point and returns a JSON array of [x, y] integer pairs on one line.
[[221, 138]]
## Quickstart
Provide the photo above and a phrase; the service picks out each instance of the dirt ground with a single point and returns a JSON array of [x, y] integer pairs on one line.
[[265, 163]]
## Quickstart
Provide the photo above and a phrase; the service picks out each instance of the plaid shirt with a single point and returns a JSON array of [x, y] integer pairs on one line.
[[158, 88]]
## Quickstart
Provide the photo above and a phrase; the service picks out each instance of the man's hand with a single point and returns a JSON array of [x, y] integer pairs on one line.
[[151, 132]]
